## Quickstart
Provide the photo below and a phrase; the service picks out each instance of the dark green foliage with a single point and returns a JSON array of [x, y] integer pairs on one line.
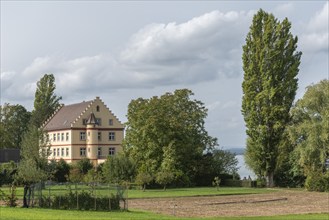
[[119, 169], [13, 124], [62, 171], [84, 165], [7, 172], [270, 64], [167, 131], [46, 101], [215, 163]]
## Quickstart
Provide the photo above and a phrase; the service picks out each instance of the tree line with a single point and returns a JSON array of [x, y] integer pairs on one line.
[[165, 143]]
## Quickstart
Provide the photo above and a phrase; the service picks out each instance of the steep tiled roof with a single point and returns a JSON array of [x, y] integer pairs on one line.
[[65, 116]]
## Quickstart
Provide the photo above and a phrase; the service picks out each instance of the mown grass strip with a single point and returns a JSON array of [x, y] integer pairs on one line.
[[7, 213], [155, 193]]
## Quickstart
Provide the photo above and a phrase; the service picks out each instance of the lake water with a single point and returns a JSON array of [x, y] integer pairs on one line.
[[243, 170]]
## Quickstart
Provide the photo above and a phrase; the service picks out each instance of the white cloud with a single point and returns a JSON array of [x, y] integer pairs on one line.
[[315, 38], [201, 49]]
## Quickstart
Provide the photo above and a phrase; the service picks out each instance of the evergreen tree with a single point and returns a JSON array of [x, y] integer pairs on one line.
[[270, 64]]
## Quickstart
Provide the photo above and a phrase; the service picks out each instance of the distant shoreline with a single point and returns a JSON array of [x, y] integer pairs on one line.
[[235, 150]]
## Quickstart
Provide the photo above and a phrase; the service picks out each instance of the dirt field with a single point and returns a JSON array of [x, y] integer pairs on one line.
[[275, 203]]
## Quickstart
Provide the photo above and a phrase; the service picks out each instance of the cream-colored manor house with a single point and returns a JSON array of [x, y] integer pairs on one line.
[[84, 130]]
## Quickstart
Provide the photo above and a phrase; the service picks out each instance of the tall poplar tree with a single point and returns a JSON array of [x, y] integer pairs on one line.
[[46, 101], [270, 64]]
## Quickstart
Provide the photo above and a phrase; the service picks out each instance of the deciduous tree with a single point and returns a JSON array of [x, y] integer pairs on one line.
[[172, 120], [270, 64], [118, 169], [309, 130], [13, 124]]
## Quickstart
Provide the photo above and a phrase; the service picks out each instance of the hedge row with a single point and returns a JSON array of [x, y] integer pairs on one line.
[[81, 201]]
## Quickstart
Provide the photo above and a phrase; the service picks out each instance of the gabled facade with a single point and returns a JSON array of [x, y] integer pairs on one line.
[[84, 130]]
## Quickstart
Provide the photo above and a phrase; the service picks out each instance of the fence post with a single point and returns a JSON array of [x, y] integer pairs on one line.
[[95, 194], [76, 191], [126, 200], [109, 198], [49, 197]]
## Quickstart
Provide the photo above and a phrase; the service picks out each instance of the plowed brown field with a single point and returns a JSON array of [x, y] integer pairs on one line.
[[280, 202]]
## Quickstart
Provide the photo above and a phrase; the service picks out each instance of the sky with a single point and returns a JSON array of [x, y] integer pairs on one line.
[[123, 50]]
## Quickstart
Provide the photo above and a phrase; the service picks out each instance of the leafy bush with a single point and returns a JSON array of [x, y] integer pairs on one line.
[[11, 198], [317, 181]]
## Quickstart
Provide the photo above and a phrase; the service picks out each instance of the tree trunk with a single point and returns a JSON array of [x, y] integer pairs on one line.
[[269, 179]]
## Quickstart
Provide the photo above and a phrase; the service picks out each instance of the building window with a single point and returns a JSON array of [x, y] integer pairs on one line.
[[58, 136], [84, 121], [82, 136], [99, 135], [98, 121], [54, 137], [82, 151], [54, 152], [62, 152], [50, 152], [97, 108], [58, 152], [67, 136], [62, 137], [110, 121], [99, 151], [111, 150], [111, 136], [67, 151]]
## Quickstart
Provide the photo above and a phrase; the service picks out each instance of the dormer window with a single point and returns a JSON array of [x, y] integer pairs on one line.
[[97, 108]]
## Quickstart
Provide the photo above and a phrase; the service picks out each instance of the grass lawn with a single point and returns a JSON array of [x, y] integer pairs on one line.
[[198, 191], [153, 193], [22, 214]]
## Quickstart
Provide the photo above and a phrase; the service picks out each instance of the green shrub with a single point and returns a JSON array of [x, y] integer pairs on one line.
[[317, 181]]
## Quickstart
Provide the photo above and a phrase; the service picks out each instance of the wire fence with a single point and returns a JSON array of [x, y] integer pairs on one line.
[[78, 196]]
